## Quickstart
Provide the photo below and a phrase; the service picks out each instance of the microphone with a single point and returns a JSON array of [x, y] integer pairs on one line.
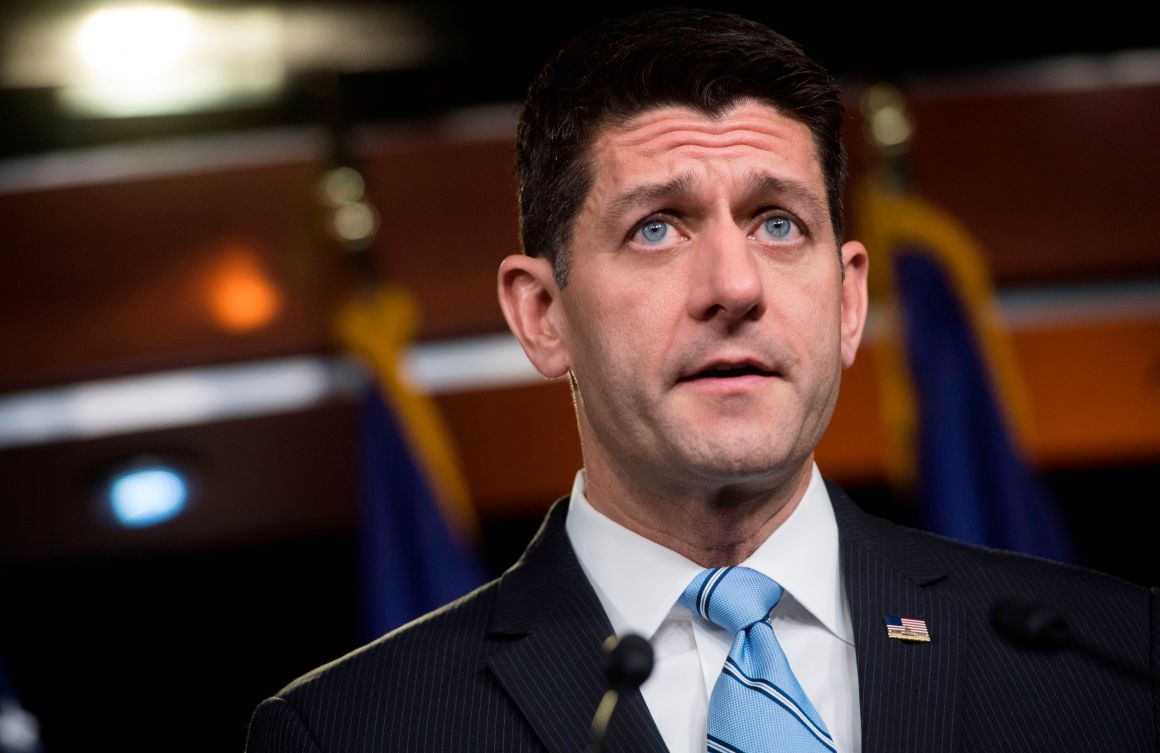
[[628, 661], [1036, 626], [1029, 624]]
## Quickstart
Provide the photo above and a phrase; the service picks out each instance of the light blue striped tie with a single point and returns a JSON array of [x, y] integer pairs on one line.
[[757, 705]]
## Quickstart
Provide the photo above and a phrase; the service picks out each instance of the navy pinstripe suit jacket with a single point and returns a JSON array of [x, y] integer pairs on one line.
[[515, 666]]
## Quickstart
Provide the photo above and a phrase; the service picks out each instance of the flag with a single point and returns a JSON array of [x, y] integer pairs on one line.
[[19, 730], [418, 529], [952, 393], [906, 629]]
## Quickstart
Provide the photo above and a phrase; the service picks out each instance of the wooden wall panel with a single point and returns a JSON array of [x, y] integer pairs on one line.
[[114, 278], [1055, 185], [448, 218], [518, 445], [1095, 391]]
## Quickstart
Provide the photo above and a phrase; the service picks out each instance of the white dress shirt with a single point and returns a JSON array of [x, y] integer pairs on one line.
[[639, 581]]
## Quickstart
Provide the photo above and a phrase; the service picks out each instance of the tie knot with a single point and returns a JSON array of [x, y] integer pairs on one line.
[[732, 597]]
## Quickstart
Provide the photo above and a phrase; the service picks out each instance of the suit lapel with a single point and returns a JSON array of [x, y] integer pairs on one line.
[[908, 690], [550, 627]]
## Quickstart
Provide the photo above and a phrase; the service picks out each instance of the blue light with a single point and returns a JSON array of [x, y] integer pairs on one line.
[[147, 496]]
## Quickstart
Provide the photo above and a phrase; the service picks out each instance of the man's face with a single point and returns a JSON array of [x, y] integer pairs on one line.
[[705, 319]]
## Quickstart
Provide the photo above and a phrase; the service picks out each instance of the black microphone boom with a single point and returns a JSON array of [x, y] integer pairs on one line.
[[1034, 625], [1030, 624], [628, 661]]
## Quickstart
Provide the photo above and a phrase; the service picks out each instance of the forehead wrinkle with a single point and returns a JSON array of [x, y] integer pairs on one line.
[[762, 184]]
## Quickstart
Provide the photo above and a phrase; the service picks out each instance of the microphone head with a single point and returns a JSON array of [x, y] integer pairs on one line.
[[628, 661], [1030, 624]]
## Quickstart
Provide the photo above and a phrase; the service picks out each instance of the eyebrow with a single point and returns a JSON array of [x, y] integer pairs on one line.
[[679, 188], [761, 184]]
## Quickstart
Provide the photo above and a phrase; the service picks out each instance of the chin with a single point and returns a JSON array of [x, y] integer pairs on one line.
[[747, 465]]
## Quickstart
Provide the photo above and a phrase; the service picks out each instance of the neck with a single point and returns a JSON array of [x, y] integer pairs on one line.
[[714, 526]]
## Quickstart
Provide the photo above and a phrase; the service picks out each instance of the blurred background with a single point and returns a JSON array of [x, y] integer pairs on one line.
[[201, 202]]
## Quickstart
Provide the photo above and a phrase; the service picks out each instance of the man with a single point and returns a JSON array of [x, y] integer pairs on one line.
[[681, 177]]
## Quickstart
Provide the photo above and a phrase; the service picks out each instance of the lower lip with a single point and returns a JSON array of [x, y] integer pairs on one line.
[[730, 384]]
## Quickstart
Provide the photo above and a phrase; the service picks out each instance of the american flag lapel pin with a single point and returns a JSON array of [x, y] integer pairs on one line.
[[906, 629]]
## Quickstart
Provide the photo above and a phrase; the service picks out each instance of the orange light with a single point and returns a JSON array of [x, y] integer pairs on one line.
[[242, 298]]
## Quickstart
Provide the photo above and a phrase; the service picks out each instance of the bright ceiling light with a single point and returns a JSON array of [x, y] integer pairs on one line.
[[126, 59], [160, 59], [135, 43]]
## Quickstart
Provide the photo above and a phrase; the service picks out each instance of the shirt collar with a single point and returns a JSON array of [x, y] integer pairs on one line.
[[638, 581], [802, 555]]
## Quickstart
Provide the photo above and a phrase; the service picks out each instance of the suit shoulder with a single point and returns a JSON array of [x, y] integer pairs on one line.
[[1090, 600], [987, 563], [415, 688], [445, 641], [929, 556]]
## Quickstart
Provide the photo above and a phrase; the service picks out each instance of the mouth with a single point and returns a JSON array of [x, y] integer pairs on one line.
[[725, 370]]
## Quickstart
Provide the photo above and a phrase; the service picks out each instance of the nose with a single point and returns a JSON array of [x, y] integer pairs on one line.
[[726, 280]]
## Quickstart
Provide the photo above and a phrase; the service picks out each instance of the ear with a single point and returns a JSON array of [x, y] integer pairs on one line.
[[531, 304], [855, 301]]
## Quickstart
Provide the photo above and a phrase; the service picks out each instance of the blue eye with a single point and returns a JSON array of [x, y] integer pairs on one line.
[[779, 227], [654, 231]]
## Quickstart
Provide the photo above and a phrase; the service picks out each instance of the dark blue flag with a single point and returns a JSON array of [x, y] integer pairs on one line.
[[413, 561], [972, 481], [417, 521], [950, 383]]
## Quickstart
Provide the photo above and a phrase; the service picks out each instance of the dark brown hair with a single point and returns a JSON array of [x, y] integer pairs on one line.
[[701, 59]]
